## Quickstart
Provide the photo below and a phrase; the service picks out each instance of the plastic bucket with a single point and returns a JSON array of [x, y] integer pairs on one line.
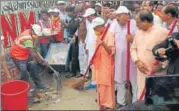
[[14, 95]]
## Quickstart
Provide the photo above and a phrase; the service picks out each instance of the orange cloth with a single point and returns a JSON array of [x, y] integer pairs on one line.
[[56, 25], [103, 65], [18, 51]]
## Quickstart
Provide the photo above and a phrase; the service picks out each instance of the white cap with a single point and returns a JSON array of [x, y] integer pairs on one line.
[[122, 9], [50, 10], [87, 3], [56, 10], [110, 2], [2, 37], [97, 22], [61, 2], [98, 4], [88, 12], [37, 29]]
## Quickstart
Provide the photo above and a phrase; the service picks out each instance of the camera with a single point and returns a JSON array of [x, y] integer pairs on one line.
[[172, 47]]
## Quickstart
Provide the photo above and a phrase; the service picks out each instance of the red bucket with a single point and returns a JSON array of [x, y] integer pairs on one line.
[[14, 95]]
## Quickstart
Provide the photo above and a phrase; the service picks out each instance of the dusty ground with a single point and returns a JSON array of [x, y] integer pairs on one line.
[[67, 99]]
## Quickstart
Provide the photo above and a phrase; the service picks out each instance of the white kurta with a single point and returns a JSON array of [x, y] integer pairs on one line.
[[121, 51], [90, 40], [157, 20], [120, 61], [82, 57]]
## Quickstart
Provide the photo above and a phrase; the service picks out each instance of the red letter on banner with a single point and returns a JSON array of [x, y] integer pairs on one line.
[[24, 23], [8, 28]]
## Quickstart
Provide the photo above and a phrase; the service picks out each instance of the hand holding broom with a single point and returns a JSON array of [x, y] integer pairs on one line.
[[128, 86], [80, 83]]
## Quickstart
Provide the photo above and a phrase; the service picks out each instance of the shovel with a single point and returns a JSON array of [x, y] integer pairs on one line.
[[57, 78]]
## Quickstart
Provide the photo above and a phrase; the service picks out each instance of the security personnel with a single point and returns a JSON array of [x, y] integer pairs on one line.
[[23, 53]]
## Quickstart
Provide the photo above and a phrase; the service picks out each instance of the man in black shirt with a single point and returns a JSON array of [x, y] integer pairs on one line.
[[72, 27]]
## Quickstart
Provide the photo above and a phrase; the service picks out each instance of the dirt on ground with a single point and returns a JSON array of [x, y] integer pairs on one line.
[[67, 98]]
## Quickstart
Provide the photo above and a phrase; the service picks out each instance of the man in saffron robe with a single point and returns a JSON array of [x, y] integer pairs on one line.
[[103, 63]]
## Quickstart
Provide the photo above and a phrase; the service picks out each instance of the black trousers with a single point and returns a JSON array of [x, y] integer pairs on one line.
[[74, 49]]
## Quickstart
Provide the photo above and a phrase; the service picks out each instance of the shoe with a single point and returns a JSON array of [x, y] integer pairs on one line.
[[90, 86], [78, 76], [118, 106], [96, 100], [41, 88], [70, 76]]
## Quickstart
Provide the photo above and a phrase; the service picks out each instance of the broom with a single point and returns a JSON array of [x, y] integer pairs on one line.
[[79, 85], [128, 86], [57, 78], [157, 62]]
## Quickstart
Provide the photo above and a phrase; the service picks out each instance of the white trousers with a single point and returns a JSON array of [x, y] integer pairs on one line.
[[120, 88], [83, 59]]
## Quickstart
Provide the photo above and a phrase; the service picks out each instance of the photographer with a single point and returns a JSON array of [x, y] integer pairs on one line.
[[169, 50]]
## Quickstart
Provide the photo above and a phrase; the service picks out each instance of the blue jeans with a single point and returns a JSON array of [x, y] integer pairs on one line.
[[27, 67], [44, 49]]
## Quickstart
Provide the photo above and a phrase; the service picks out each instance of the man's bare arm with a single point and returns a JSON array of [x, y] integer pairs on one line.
[[36, 56]]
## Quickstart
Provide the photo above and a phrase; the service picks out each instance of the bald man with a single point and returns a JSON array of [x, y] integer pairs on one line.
[[145, 39]]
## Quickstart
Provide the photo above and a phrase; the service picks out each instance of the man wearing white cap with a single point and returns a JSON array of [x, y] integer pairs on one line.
[[110, 16], [56, 25], [103, 65], [45, 23], [98, 8], [119, 27], [90, 38], [50, 11], [61, 7], [23, 53], [3, 60]]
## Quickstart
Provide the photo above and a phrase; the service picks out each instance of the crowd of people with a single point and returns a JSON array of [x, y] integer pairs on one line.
[[134, 27]]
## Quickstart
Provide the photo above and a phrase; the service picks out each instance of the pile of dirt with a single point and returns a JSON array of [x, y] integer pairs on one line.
[[47, 97]]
